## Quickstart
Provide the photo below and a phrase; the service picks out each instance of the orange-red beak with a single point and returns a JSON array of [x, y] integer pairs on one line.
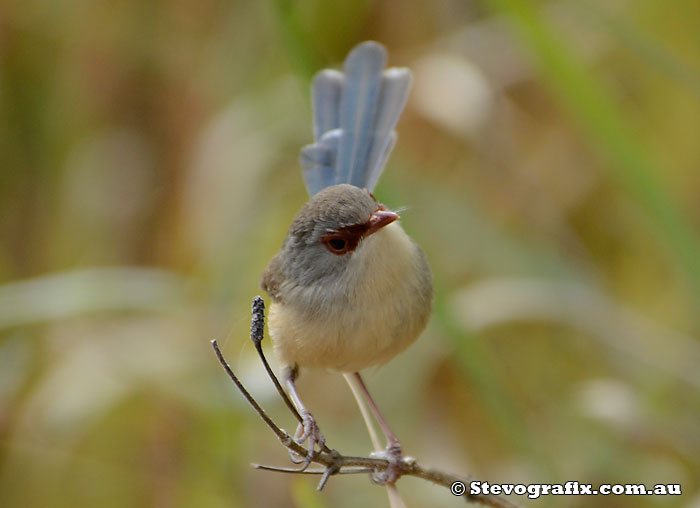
[[379, 219]]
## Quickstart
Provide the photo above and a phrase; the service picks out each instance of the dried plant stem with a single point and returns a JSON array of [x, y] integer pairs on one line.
[[332, 461]]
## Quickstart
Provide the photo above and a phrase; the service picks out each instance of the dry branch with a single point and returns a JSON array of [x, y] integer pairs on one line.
[[334, 462]]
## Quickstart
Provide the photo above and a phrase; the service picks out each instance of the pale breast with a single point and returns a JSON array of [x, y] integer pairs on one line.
[[376, 310]]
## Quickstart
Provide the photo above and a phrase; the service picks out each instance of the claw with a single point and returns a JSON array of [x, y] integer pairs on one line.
[[394, 455], [307, 430], [298, 459]]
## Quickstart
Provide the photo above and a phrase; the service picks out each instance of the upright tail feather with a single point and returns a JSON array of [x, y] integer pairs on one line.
[[355, 113]]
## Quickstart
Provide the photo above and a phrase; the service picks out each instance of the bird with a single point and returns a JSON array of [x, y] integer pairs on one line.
[[349, 288]]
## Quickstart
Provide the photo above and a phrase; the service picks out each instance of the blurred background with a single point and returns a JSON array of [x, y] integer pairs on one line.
[[548, 162]]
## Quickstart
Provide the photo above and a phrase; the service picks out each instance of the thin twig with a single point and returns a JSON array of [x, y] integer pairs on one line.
[[332, 461], [293, 470], [257, 332], [281, 434], [257, 328]]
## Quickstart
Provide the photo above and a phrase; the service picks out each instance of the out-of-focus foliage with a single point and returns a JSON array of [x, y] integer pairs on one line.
[[548, 162]]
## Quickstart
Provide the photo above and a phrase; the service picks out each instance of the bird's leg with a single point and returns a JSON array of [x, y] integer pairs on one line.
[[393, 452], [308, 428]]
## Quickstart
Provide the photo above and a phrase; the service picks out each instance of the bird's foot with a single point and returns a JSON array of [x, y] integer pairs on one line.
[[309, 430], [394, 455]]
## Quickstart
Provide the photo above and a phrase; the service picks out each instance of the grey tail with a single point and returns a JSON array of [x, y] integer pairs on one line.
[[355, 113]]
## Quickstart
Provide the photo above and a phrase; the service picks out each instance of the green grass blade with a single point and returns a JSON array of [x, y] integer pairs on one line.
[[602, 121]]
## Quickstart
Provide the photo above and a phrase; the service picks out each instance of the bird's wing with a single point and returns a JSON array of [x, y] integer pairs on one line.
[[355, 113], [272, 279]]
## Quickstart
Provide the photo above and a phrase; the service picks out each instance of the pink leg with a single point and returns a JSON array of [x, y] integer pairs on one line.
[[390, 436], [308, 428], [393, 452]]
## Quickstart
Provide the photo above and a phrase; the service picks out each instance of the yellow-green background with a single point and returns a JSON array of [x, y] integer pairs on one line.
[[548, 160]]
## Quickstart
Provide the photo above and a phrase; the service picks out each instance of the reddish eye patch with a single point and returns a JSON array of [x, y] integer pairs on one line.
[[336, 244], [343, 240]]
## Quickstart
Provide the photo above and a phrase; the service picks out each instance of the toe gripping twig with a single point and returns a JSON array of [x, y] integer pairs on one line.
[[334, 462]]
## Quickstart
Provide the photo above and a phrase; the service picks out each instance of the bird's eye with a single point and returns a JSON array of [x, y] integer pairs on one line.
[[336, 244]]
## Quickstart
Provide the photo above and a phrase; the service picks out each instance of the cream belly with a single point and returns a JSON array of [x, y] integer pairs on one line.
[[362, 321]]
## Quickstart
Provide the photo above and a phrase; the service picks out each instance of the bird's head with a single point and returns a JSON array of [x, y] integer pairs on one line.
[[329, 230]]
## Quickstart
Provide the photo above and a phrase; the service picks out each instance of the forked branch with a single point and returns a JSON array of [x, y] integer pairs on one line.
[[332, 461]]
